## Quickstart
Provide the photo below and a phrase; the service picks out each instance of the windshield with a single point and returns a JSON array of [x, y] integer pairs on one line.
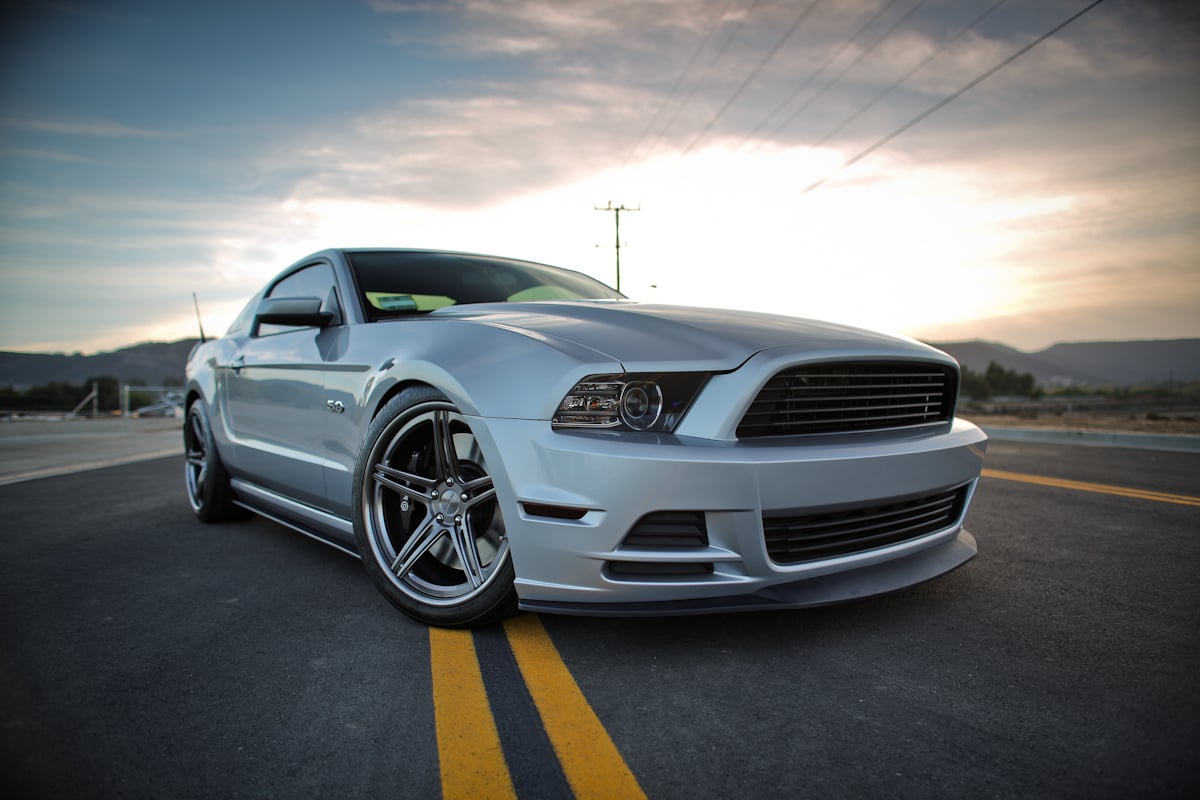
[[395, 283]]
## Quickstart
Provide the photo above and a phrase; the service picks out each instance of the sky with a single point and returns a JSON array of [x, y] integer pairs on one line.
[[910, 166]]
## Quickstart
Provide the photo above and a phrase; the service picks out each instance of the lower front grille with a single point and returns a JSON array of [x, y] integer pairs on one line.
[[812, 537]]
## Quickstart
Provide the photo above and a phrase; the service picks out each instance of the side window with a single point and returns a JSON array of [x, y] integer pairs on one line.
[[244, 319], [316, 280]]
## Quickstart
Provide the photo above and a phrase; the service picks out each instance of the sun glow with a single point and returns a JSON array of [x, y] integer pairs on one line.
[[888, 247]]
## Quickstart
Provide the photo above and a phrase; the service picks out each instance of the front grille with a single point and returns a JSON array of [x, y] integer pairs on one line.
[[812, 537], [851, 397]]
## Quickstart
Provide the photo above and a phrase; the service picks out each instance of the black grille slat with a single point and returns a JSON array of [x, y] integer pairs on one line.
[[811, 537], [657, 569], [842, 387], [857, 411], [813, 397], [872, 400], [845, 398], [803, 404], [798, 554], [863, 540], [869, 520]]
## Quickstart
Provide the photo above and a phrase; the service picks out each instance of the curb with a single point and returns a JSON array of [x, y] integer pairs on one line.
[[1131, 441]]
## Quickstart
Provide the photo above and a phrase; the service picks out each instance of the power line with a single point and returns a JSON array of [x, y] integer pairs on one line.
[[704, 75], [903, 18], [679, 82], [753, 73], [825, 64], [899, 81], [952, 97]]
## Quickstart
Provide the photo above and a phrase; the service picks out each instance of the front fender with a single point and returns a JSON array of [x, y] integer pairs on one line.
[[204, 373], [485, 371]]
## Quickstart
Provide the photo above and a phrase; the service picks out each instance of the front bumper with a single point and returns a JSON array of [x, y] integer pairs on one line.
[[611, 481], [823, 590]]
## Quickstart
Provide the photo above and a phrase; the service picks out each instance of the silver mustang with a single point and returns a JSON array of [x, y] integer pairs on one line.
[[488, 434]]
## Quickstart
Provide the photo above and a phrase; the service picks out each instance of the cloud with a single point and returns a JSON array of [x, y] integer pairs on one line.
[[104, 128], [468, 152], [552, 26], [17, 153], [495, 126]]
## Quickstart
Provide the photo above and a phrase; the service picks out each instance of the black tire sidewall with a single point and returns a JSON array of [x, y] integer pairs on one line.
[[496, 601], [214, 497]]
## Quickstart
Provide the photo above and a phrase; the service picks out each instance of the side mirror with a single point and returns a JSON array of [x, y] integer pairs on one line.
[[300, 311]]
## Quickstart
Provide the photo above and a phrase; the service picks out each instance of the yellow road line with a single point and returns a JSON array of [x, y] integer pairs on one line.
[[1141, 494], [589, 759], [472, 761]]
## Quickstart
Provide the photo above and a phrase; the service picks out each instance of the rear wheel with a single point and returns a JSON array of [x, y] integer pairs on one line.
[[426, 516], [207, 482]]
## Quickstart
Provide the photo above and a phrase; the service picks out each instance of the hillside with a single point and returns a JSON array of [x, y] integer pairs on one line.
[[1137, 363], [152, 363], [1072, 364]]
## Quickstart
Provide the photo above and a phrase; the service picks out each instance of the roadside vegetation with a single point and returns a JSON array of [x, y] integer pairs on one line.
[[996, 381], [59, 397], [1005, 398]]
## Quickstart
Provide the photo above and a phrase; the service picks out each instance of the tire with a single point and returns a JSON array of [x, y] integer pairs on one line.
[[426, 517], [207, 482]]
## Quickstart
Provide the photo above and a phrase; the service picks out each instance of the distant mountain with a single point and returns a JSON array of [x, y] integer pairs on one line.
[[1136, 363], [153, 364], [1073, 364]]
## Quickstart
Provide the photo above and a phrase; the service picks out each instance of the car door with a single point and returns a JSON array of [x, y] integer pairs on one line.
[[274, 394]]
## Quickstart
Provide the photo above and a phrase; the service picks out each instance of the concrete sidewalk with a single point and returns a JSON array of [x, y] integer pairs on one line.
[[40, 448]]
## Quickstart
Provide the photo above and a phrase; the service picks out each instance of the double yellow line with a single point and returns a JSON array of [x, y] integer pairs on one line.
[[470, 752], [1101, 488]]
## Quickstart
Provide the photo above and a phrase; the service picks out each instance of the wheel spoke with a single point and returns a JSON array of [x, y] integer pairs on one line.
[[480, 490], [443, 446], [197, 465], [417, 545], [468, 554], [405, 482]]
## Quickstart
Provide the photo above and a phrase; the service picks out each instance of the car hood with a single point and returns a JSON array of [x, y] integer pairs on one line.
[[663, 337]]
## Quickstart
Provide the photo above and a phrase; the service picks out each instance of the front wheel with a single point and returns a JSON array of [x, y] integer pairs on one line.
[[426, 517]]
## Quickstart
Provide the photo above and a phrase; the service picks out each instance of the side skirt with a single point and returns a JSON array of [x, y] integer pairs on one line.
[[322, 526]]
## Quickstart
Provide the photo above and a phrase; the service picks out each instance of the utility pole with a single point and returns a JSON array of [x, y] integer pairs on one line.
[[617, 212]]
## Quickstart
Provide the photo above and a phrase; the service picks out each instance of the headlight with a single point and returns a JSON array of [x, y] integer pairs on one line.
[[642, 402]]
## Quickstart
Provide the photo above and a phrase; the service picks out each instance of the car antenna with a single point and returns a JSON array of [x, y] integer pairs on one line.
[[199, 321]]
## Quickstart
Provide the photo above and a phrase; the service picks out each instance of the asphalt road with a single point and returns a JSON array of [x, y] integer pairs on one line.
[[147, 655]]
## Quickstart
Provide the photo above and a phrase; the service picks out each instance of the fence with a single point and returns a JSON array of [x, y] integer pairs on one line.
[[165, 401]]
